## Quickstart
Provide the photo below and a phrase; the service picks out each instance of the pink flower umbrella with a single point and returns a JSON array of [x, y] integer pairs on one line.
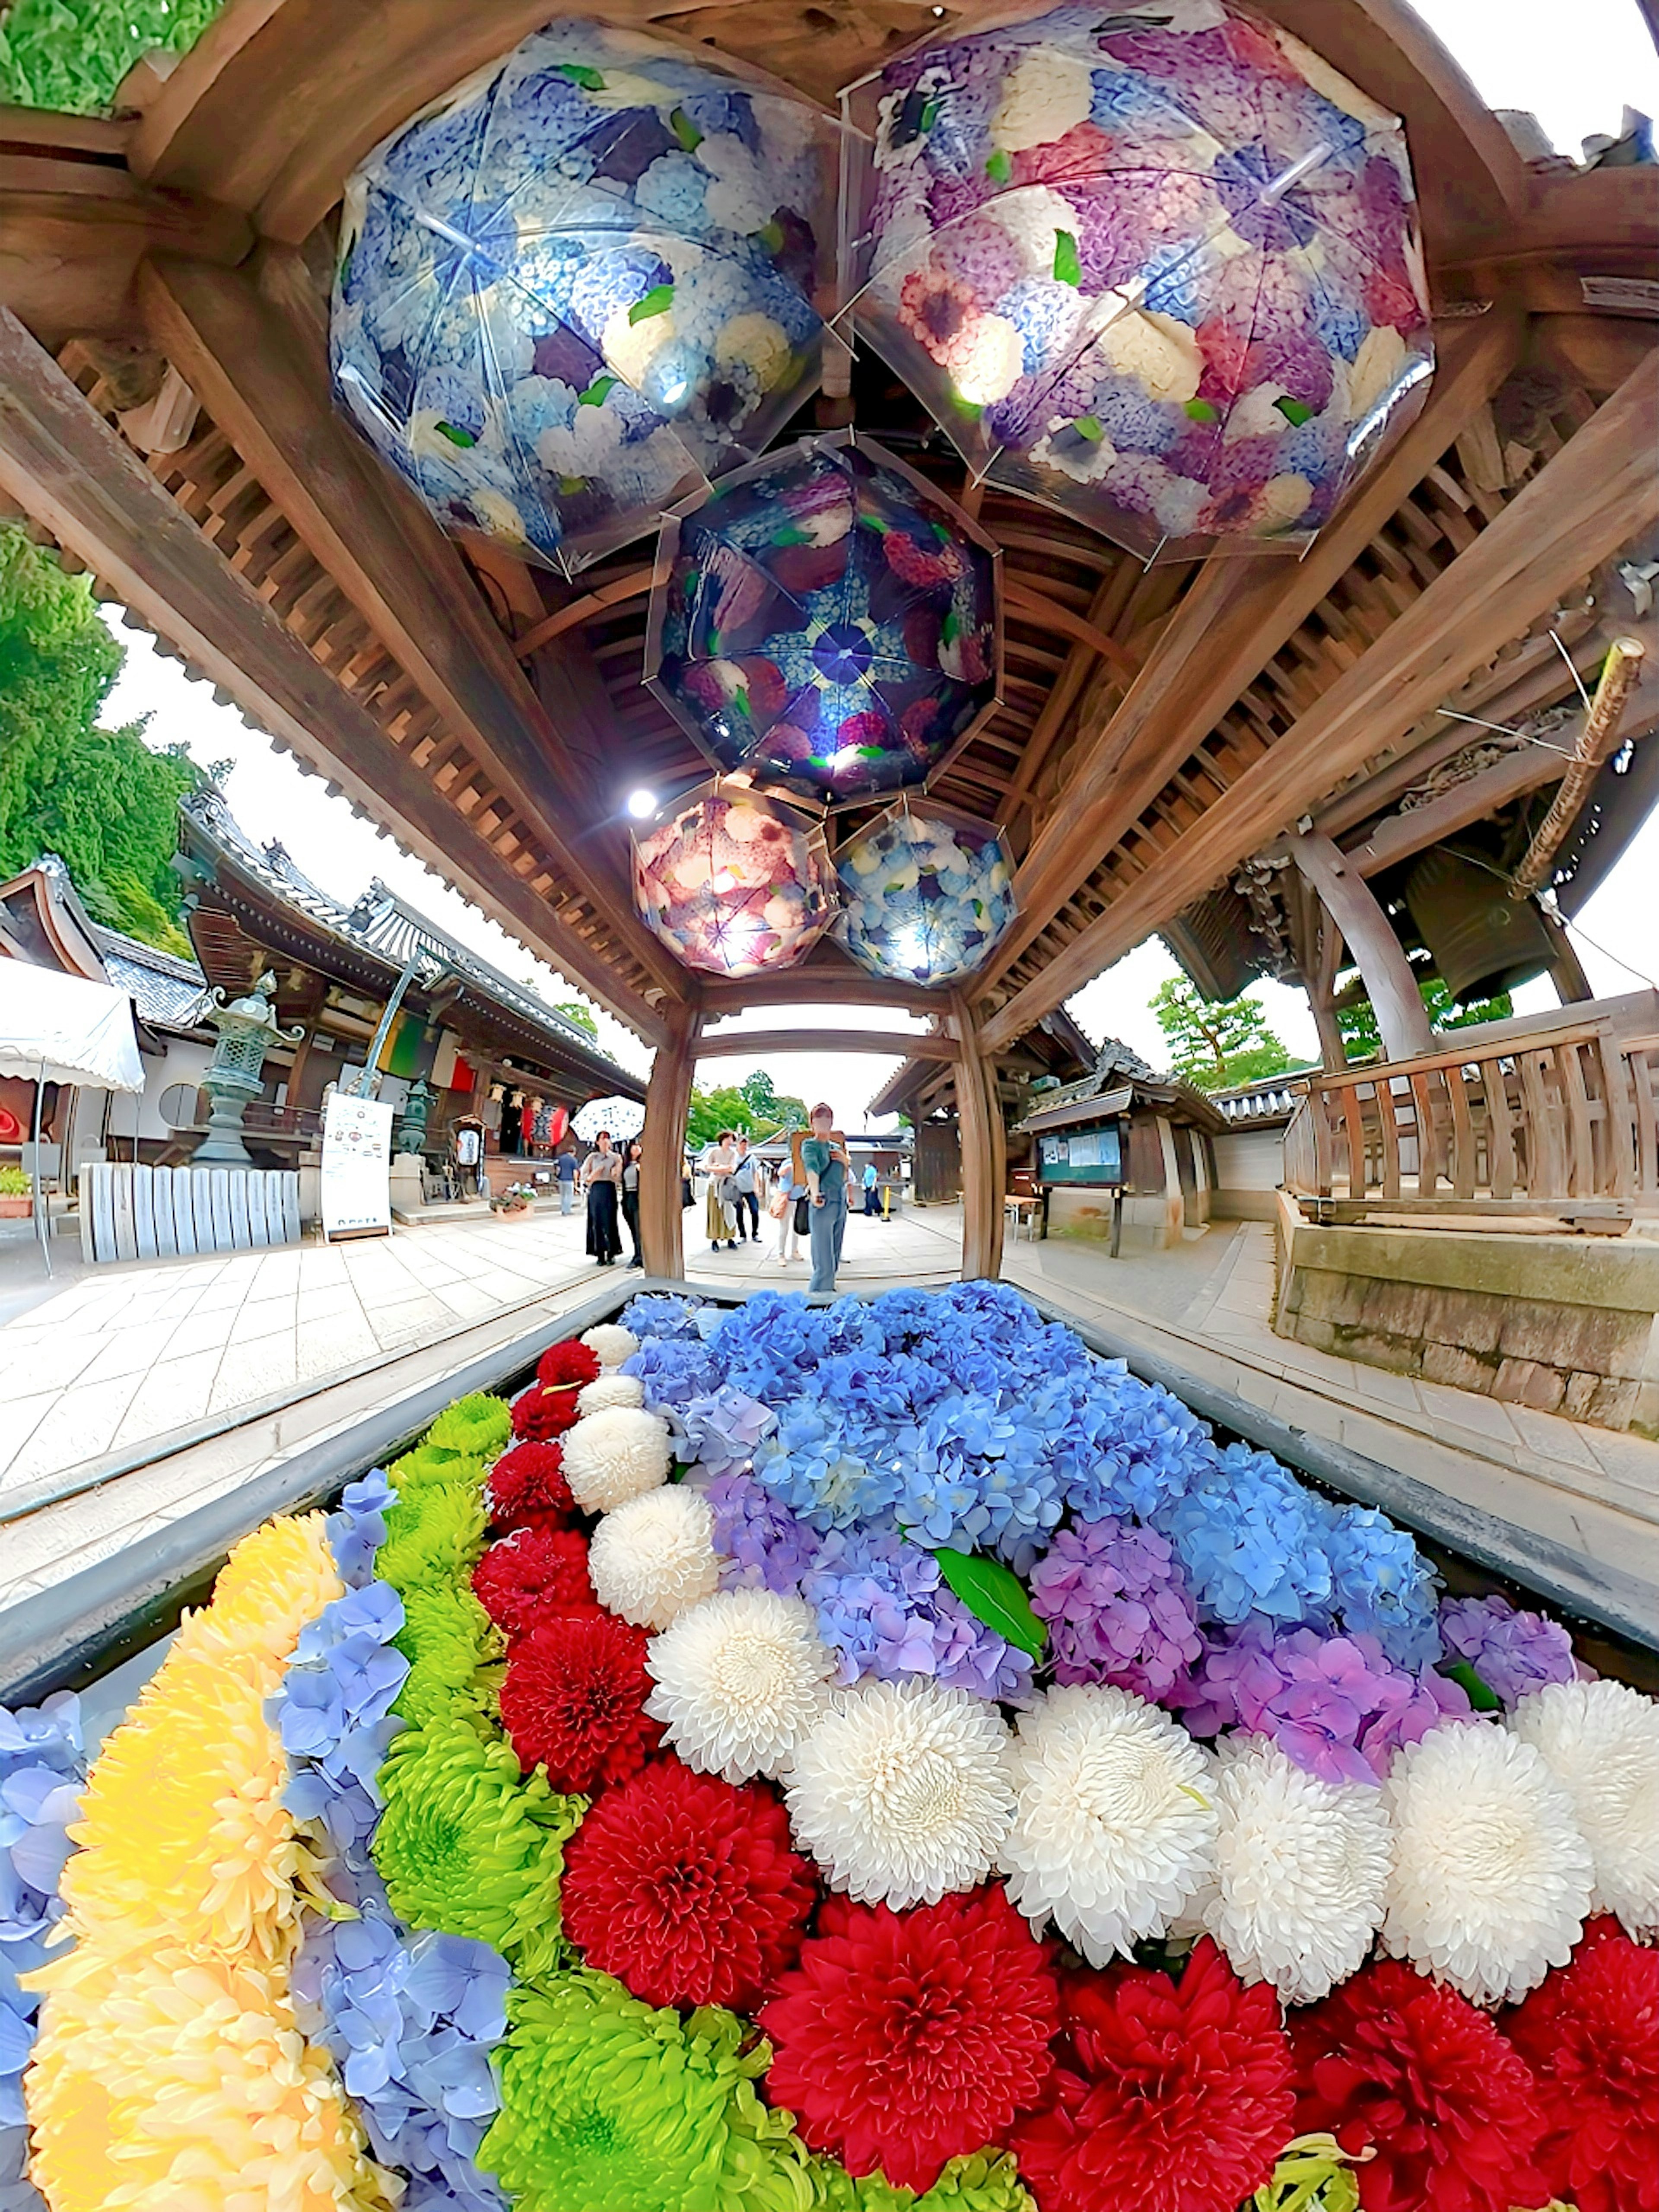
[[733, 883], [1155, 264]]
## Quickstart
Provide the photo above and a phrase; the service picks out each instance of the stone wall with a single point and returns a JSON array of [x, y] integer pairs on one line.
[[1566, 1324]]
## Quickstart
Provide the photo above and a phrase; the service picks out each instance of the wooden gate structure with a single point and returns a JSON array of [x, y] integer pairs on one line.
[[165, 421]]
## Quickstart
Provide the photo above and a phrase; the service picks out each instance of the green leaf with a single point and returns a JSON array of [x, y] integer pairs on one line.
[[1068, 270], [685, 130], [929, 117], [656, 301], [578, 73], [999, 168], [1295, 410], [1088, 427], [995, 1595], [1482, 1697], [1199, 410], [595, 394], [455, 435]]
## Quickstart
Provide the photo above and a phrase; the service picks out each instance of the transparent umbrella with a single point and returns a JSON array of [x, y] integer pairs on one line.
[[1155, 264]]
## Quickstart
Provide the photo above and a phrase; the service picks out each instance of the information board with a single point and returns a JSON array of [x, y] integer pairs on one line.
[[1082, 1156], [356, 1185]]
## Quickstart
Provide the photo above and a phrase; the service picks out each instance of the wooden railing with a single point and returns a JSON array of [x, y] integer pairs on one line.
[[1564, 1122]]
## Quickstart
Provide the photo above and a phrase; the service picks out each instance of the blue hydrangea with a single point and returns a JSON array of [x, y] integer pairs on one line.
[[720, 1433], [672, 1373], [761, 1545], [1383, 1586], [662, 1315], [43, 1770], [357, 1529], [1249, 1539]]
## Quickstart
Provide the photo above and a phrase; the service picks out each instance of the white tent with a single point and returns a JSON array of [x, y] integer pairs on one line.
[[62, 1028]]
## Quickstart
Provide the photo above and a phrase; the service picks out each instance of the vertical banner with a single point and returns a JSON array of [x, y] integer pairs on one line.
[[356, 1189]]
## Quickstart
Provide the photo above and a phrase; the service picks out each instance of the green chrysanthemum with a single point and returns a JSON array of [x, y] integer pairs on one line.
[[605, 2101], [467, 1846], [986, 2182], [1314, 2174], [478, 1427], [435, 1535], [427, 1464], [447, 1637]]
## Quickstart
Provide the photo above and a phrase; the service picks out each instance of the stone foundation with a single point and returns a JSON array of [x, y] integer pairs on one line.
[[1566, 1324]]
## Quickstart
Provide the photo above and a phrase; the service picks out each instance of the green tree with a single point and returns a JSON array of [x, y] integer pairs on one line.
[[579, 1017], [774, 1106], [751, 1106], [1216, 1045], [72, 54], [101, 798], [1360, 1034]]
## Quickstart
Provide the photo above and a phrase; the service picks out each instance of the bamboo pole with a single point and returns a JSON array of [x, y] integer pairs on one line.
[[1596, 741]]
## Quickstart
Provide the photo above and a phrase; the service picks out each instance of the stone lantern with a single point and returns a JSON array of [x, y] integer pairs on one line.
[[247, 1028], [411, 1122]]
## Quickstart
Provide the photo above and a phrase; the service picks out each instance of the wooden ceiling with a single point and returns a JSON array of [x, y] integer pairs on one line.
[[1159, 728]]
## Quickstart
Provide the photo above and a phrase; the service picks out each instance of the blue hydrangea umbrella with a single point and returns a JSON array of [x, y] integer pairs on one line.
[[1154, 262], [925, 896], [828, 623], [582, 285]]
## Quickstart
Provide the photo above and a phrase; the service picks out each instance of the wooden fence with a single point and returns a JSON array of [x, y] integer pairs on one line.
[[131, 1212], [1564, 1122]]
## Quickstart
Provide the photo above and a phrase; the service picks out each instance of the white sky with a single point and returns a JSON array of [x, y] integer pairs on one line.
[[1576, 67]]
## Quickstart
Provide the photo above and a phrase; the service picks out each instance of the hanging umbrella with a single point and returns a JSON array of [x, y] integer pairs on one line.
[[623, 1117], [1156, 265], [732, 884], [584, 283], [828, 623], [925, 896]]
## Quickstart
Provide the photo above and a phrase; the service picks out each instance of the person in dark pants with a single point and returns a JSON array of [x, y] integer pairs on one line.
[[872, 1195], [602, 1180], [742, 1189], [632, 1154]]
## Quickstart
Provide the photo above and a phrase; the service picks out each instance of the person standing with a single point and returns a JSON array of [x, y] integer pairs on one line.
[[717, 1164], [792, 1211], [632, 1154], [823, 1157], [602, 1180], [743, 1190], [872, 1199], [565, 1168]]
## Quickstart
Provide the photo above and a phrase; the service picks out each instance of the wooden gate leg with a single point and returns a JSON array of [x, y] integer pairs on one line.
[[984, 1154], [667, 1108]]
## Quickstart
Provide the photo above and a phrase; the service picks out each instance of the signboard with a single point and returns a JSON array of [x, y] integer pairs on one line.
[[356, 1185], [1082, 1156]]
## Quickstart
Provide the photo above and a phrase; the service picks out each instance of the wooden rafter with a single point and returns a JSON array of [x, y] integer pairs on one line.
[[1595, 494]]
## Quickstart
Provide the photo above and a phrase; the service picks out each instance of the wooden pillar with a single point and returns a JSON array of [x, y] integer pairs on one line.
[[1566, 970], [984, 1153], [667, 1109], [1369, 935]]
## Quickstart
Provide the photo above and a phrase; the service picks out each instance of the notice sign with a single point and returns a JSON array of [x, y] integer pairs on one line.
[[356, 1154]]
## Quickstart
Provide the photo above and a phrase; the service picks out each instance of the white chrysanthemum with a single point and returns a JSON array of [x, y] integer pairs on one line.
[[609, 1391], [1601, 1741], [654, 1556], [612, 1456], [1116, 1826], [901, 1793], [740, 1680], [1301, 1871], [610, 1343], [1492, 1874]]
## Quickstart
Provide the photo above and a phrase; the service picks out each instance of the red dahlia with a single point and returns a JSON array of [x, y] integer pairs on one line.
[[527, 1488], [573, 1700], [1170, 2096], [904, 2039], [686, 1889], [533, 1575], [1397, 2064], [1591, 2032], [569, 1363], [539, 1415]]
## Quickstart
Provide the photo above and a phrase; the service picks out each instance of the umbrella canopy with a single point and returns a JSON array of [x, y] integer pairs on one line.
[[1155, 263], [62, 1028], [925, 896], [623, 1117], [828, 623], [732, 884], [584, 283]]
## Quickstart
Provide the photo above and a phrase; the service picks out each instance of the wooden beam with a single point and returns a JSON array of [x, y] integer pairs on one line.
[[252, 371], [826, 978], [1037, 607], [984, 1155], [1399, 835], [1369, 934], [1595, 496], [719, 1043], [667, 1110], [634, 586], [61, 463], [1236, 616]]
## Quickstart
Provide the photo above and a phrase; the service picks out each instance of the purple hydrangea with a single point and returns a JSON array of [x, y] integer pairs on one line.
[[1513, 1653], [43, 1770], [720, 1433], [1118, 1608], [884, 1608], [672, 1371], [761, 1545], [1335, 1705]]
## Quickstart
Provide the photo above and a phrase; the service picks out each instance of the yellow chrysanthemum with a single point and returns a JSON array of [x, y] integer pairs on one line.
[[173, 2080], [273, 1582]]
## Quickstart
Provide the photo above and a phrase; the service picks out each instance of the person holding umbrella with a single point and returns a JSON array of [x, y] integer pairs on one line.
[[602, 1173]]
